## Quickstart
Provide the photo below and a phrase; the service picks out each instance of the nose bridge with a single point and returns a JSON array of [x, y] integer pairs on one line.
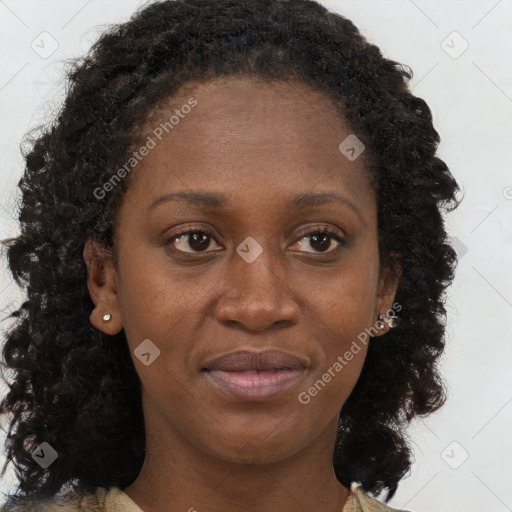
[[257, 294], [256, 267]]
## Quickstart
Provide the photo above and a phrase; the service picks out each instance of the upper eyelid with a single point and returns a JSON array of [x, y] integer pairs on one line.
[[308, 232]]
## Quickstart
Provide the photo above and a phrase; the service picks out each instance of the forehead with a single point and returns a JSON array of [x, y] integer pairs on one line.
[[246, 136]]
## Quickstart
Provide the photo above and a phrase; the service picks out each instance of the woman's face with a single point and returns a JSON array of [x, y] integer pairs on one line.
[[251, 278]]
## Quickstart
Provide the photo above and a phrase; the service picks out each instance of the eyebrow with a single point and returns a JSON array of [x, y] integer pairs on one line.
[[216, 200]]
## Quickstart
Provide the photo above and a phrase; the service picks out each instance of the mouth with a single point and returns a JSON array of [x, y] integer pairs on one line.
[[255, 376]]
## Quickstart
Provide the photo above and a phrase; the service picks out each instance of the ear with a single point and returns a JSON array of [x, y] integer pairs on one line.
[[103, 287], [388, 284]]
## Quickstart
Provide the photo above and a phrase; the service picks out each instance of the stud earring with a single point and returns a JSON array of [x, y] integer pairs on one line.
[[107, 317]]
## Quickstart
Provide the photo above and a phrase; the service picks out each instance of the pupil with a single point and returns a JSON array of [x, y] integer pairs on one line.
[[324, 238], [198, 245]]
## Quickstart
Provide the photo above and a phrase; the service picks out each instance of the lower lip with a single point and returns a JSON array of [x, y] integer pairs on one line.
[[255, 385]]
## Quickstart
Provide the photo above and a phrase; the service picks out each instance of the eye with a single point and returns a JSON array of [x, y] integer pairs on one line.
[[321, 240], [196, 240]]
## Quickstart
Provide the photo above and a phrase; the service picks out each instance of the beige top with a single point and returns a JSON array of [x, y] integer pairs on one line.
[[115, 500]]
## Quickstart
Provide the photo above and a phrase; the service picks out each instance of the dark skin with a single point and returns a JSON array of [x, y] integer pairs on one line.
[[259, 145]]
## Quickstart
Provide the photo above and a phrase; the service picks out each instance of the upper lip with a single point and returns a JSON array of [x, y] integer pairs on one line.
[[248, 360]]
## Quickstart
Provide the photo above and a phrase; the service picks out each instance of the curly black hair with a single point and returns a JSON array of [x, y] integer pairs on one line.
[[77, 388]]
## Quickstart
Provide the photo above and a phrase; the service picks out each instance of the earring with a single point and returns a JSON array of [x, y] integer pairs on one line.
[[392, 321], [107, 317]]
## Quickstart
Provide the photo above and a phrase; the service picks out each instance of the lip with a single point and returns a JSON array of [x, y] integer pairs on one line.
[[255, 376], [254, 385], [247, 360]]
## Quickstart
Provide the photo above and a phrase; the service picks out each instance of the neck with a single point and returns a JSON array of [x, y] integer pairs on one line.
[[177, 475]]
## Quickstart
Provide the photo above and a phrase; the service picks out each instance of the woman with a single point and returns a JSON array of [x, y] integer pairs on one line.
[[235, 261]]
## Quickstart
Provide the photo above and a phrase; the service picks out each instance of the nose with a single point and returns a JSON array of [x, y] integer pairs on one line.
[[258, 295]]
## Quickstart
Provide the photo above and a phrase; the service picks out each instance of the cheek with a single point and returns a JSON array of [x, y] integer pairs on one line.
[[153, 299], [337, 364], [344, 304], [164, 305], [342, 313]]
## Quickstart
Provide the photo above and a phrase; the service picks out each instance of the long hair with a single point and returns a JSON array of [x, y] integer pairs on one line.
[[74, 387]]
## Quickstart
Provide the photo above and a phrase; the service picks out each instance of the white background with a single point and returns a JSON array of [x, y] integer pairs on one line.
[[471, 100]]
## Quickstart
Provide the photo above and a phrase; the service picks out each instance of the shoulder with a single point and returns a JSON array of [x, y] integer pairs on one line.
[[359, 501], [103, 499], [68, 503]]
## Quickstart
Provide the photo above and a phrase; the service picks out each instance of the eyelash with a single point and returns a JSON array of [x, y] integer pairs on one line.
[[317, 231]]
